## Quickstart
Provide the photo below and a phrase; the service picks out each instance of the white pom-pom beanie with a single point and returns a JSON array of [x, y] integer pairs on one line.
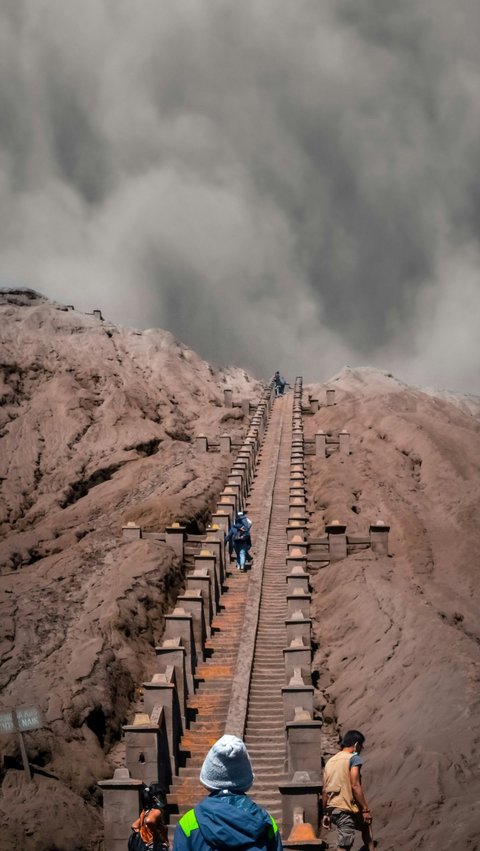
[[227, 766]]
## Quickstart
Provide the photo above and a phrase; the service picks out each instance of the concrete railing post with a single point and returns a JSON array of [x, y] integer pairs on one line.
[[162, 691], [297, 626], [337, 540], [321, 444], [173, 653], [214, 543], [201, 443], [225, 444], [179, 624], [295, 694], [298, 600], [379, 537], [205, 560], [122, 802], [147, 752], [295, 527], [303, 743], [297, 655], [301, 791], [221, 518], [230, 497], [297, 546], [228, 398], [297, 579], [192, 602], [175, 538], [330, 397], [131, 531], [344, 442], [246, 407], [202, 580]]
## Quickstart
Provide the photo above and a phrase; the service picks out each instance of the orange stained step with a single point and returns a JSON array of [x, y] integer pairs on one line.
[[214, 672], [211, 700]]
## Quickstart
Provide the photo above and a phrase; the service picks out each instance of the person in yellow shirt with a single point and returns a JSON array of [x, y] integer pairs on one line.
[[344, 803]]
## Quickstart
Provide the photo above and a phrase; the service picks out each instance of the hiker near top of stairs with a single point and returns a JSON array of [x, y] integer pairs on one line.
[[344, 803], [279, 384], [227, 819]]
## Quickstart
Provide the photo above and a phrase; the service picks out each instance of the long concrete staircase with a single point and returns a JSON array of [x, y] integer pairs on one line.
[[265, 731], [209, 706]]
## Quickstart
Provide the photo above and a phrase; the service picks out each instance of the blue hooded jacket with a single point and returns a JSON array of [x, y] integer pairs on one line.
[[227, 821]]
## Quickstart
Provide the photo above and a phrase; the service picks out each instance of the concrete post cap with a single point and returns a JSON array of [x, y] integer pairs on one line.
[[303, 832], [140, 719], [206, 553], [296, 552], [131, 524], [296, 679], [301, 777], [121, 774], [169, 643], [298, 616], [297, 642], [335, 527]]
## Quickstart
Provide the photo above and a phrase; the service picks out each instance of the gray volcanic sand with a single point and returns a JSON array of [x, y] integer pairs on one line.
[[399, 637], [96, 424]]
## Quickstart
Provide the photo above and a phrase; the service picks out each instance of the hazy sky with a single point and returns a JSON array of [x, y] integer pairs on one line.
[[289, 184]]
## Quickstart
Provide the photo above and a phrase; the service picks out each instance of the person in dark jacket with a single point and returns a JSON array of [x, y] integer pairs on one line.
[[279, 384], [239, 539], [227, 819]]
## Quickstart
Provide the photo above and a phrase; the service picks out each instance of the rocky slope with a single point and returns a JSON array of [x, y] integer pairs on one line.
[[399, 637], [96, 424]]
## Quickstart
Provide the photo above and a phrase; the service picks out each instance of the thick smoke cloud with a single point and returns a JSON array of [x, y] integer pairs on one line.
[[280, 184]]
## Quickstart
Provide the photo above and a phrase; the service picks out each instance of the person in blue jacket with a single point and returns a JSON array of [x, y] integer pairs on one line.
[[239, 539], [227, 819]]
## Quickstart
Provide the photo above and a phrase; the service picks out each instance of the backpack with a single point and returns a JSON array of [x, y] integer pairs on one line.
[[136, 843], [240, 534]]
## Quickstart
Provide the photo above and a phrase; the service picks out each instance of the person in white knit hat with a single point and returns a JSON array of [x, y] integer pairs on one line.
[[227, 819]]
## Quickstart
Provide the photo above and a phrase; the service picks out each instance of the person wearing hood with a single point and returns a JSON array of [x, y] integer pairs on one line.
[[227, 819], [279, 384], [239, 539]]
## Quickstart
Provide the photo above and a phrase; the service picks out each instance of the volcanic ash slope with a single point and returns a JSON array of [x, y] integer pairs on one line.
[[399, 636], [96, 423]]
